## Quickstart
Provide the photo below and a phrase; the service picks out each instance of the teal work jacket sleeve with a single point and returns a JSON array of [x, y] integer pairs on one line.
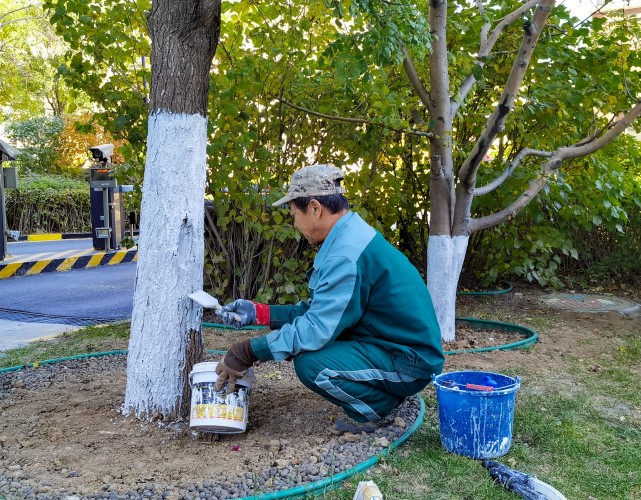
[[282, 315], [333, 307]]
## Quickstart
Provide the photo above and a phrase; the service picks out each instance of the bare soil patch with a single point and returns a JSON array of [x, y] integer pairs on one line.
[[62, 433]]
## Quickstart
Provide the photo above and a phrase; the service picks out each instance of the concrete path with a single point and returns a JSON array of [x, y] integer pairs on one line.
[[592, 303], [19, 333]]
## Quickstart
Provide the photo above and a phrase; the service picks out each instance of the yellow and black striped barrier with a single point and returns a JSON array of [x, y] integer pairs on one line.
[[52, 236], [63, 261]]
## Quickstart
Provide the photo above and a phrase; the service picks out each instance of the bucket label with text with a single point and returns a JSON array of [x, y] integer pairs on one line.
[[208, 403]]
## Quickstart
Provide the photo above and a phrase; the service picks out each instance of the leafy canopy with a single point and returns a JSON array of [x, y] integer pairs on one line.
[[302, 82]]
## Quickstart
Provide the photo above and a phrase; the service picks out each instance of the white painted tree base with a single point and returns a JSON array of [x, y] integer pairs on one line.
[[445, 256], [170, 263]]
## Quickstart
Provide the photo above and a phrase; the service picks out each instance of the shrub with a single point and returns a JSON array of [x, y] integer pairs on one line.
[[49, 204], [254, 253]]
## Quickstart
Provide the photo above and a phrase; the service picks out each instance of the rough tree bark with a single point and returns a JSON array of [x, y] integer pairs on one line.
[[166, 338]]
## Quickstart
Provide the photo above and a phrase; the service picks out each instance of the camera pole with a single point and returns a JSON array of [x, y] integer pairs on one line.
[[101, 177], [7, 153], [106, 216]]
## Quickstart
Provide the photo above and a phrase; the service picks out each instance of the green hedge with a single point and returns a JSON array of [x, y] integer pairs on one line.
[[52, 204]]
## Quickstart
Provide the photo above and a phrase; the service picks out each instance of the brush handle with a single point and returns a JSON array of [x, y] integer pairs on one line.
[[478, 387], [475, 387]]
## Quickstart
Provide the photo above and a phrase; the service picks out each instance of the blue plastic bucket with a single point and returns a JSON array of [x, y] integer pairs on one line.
[[476, 422]]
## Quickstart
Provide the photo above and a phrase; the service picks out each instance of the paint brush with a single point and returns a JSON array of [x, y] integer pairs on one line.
[[205, 300], [209, 302]]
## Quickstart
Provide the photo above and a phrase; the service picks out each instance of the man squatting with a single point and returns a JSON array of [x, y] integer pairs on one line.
[[368, 337]]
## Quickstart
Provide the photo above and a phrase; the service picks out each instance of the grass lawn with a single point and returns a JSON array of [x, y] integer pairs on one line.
[[577, 422]]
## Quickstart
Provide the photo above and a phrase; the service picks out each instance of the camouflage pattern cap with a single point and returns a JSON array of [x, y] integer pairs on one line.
[[313, 180]]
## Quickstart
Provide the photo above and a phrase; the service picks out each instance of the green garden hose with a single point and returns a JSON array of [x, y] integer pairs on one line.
[[298, 491], [492, 292], [228, 327], [335, 481]]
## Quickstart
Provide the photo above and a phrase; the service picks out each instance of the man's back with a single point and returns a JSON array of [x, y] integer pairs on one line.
[[391, 300]]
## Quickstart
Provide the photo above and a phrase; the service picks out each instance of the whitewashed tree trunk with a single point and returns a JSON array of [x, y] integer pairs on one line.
[[445, 256], [166, 338], [170, 264], [451, 222]]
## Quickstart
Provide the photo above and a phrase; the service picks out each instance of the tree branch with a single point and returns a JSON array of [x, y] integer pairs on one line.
[[347, 119], [211, 225], [488, 188], [486, 26], [20, 19], [596, 134], [415, 80], [229, 58], [597, 11], [8, 13], [496, 122], [487, 46], [323, 115], [6, 23], [551, 166], [614, 130]]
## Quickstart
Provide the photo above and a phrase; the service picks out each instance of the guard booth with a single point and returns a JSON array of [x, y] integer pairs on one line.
[[8, 179], [105, 197]]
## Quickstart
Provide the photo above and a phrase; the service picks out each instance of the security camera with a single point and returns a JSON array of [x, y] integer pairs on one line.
[[102, 153]]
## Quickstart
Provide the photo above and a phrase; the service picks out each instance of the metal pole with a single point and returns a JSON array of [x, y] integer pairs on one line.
[[3, 218], [105, 216]]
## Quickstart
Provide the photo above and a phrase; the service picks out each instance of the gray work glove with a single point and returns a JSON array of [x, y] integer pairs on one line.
[[234, 365], [238, 313]]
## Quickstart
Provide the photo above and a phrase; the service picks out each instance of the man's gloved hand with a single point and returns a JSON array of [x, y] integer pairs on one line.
[[238, 313], [234, 365], [241, 312]]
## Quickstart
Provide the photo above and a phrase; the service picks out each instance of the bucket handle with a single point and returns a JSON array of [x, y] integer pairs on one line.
[[191, 377], [477, 387]]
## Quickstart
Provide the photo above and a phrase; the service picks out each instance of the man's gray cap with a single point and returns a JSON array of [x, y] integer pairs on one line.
[[313, 180]]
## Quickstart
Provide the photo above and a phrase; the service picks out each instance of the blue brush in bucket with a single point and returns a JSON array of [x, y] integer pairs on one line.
[[476, 412]]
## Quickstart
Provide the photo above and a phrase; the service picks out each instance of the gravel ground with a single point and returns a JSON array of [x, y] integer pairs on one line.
[[62, 437]]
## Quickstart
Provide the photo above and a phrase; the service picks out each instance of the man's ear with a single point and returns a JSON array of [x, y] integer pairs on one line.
[[315, 208]]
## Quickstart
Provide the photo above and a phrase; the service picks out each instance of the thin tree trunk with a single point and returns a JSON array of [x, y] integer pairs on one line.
[[445, 256]]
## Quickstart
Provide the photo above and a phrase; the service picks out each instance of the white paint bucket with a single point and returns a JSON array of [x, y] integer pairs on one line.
[[218, 412]]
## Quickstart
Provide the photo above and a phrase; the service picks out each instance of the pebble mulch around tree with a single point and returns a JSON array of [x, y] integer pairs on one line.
[[291, 439]]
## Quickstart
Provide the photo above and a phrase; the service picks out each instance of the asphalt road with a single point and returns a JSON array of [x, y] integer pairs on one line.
[[34, 247], [98, 293], [46, 304]]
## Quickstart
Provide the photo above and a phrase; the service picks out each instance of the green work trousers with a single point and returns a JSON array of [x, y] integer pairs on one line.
[[357, 376]]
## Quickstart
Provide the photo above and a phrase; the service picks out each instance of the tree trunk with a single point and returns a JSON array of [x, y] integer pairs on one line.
[[166, 338], [451, 222], [445, 256]]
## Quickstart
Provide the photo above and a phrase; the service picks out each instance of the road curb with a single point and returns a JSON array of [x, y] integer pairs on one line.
[[69, 263]]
